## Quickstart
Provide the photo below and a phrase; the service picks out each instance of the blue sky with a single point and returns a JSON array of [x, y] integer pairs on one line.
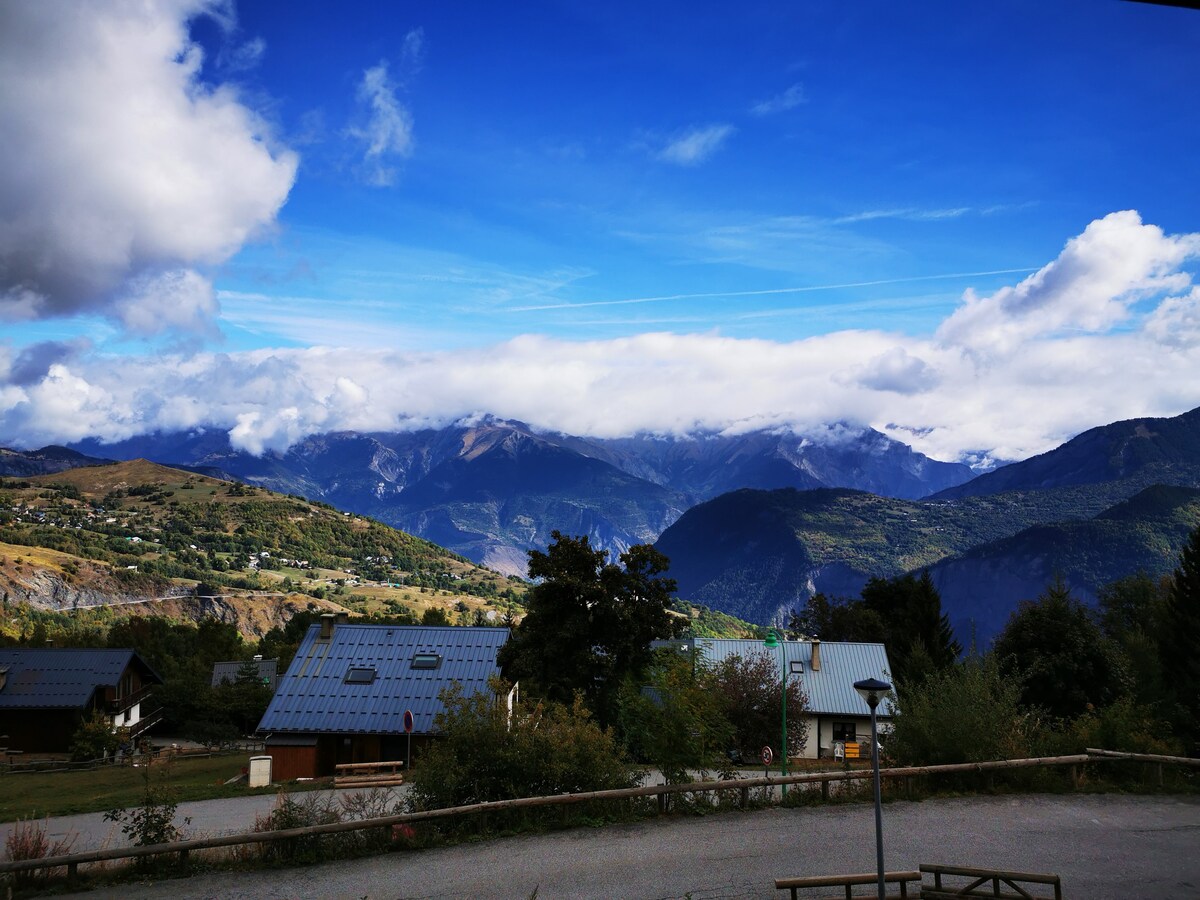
[[372, 199]]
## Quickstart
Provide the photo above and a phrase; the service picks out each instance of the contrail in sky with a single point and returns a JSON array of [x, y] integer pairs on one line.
[[792, 290]]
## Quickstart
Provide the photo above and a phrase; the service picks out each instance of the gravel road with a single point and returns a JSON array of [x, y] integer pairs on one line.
[[1104, 846]]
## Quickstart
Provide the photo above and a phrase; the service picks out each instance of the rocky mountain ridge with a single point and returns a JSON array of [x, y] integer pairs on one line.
[[493, 489]]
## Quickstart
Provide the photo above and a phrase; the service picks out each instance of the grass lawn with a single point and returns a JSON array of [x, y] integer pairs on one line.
[[40, 794]]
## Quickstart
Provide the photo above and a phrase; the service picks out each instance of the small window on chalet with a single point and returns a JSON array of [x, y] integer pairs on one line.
[[364, 675], [427, 660], [796, 666]]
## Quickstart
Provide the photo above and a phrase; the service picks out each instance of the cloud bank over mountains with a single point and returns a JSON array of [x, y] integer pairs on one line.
[[129, 177], [1106, 331]]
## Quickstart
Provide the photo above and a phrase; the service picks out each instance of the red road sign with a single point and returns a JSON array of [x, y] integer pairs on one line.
[[767, 755], [408, 721]]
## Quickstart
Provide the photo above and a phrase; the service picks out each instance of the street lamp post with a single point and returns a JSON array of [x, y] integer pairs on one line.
[[873, 690], [775, 639]]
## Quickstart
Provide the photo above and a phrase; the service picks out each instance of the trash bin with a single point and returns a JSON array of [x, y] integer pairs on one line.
[[260, 771]]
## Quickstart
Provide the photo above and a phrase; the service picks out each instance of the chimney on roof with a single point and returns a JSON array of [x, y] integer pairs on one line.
[[326, 626], [342, 617], [816, 654], [49, 642]]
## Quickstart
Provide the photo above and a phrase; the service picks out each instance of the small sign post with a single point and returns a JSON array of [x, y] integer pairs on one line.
[[408, 729], [766, 756]]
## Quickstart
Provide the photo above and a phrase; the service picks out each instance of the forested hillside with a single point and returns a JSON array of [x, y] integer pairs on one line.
[[136, 531]]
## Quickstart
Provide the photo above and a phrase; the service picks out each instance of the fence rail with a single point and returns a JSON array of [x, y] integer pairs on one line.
[[16, 764], [72, 861]]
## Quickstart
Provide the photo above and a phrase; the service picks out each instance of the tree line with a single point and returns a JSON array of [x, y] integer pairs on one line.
[[1059, 677]]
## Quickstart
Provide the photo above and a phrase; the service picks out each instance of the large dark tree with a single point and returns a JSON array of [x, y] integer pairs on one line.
[[917, 633], [1063, 658], [1181, 640], [903, 613], [589, 622], [836, 619], [1133, 614]]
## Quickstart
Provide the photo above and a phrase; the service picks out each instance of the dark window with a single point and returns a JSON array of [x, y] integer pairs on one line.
[[844, 731], [426, 661], [360, 676]]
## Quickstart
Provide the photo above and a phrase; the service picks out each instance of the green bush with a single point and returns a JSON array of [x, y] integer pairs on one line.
[[1125, 725], [968, 713], [752, 692], [310, 809], [676, 722], [96, 738], [483, 754]]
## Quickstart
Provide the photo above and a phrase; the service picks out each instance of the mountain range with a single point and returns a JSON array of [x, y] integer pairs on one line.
[[753, 523], [1112, 502], [492, 490]]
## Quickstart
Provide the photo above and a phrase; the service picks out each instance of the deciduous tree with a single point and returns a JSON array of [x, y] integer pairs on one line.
[[589, 622]]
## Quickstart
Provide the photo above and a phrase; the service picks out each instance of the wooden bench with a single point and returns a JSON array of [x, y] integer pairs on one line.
[[368, 775], [849, 882], [987, 883], [971, 882]]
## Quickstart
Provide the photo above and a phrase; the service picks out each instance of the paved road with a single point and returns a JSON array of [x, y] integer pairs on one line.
[[1104, 847]]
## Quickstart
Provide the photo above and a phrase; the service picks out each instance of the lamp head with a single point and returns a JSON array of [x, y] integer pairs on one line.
[[872, 690], [772, 641]]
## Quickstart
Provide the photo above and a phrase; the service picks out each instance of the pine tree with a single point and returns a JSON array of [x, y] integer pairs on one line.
[[914, 624], [1181, 639]]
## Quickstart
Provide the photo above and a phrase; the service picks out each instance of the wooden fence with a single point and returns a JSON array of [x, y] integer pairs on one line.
[[742, 786], [15, 764]]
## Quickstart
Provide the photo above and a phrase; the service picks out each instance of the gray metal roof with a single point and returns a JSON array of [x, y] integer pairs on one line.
[[62, 677], [228, 671], [831, 689], [313, 695]]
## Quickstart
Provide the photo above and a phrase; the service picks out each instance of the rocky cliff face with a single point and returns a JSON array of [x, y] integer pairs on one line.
[[252, 615], [45, 588]]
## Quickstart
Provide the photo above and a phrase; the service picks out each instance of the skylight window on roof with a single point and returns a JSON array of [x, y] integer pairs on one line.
[[427, 660], [360, 675]]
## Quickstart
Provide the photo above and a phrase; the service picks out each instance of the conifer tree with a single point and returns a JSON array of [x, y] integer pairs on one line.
[[1181, 640]]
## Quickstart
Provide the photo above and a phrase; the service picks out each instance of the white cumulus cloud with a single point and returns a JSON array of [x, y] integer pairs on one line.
[[1090, 287], [120, 164], [994, 390]]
